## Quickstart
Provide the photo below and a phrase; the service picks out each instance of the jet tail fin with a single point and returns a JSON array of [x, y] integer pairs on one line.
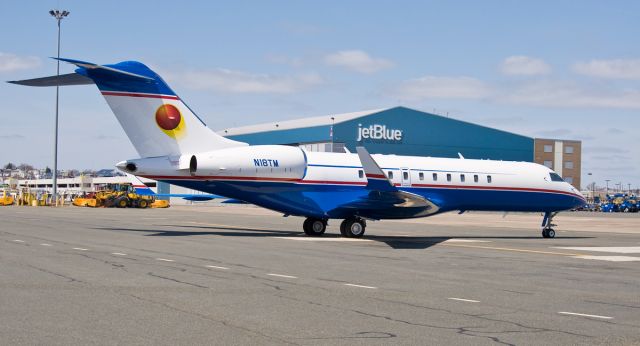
[[155, 119]]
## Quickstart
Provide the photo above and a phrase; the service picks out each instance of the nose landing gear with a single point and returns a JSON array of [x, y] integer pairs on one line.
[[547, 230]]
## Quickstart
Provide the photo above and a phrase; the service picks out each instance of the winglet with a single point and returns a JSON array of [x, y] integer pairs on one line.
[[376, 180]]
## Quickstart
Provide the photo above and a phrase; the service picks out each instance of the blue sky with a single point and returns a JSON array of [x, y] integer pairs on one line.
[[543, 69]]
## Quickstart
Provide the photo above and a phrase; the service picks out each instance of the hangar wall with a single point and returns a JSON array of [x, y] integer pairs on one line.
[[398, 130]]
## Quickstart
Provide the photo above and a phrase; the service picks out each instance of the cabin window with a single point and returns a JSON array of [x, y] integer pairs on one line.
[[390, 175], [555, 177], [448, 177], [421, 176], [435, 176], [475, 178], [405, 175], [488, 179], [360, 174], [462, 178]]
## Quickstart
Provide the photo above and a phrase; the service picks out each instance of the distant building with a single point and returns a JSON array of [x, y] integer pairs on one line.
[[563, 156]]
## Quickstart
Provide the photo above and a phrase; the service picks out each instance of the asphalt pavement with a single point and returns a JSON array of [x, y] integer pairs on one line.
[[242, 275]]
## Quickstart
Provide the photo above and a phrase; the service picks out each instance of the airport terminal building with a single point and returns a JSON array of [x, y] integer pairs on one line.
[[405, 131]]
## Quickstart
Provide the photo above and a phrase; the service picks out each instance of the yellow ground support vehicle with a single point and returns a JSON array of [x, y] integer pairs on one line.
[[115, 195], [6, 199]]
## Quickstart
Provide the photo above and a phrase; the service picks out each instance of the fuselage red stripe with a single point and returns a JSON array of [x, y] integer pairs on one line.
[[153, 96], [219, 177]]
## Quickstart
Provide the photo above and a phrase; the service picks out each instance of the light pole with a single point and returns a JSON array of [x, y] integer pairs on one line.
[[332, 121], [58, 15], [607, 180]]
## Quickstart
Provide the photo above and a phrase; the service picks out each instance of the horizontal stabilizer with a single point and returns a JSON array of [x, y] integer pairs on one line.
[[92, 66], [63, 79]]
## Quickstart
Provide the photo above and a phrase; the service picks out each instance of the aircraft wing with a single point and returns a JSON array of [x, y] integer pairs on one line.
[[384, 200]]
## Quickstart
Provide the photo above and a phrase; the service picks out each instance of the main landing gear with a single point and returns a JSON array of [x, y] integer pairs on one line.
[[352, 227], [314, 227], [547, 230]]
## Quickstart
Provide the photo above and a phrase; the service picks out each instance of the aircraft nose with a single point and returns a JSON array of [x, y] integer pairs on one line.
[[578, 200]]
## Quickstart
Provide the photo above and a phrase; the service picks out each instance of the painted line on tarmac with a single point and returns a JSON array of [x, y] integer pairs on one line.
[[515, 250], [610, 258], [361, 286], [80, 249], [614, 249], [118, 253], [217, 267], [164, 260], [19, 241], [283, 276], [464, 300], [45, 244], [336, 239], [584, 315]]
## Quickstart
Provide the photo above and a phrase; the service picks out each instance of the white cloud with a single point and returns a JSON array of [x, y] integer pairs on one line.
[[442, 87], [358, 61], [524, 66], [11, 62], [539, 93], [560, 94], [223, 80], [615, 69]]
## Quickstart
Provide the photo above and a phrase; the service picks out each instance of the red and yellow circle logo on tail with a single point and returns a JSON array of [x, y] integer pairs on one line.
[[170, 121]]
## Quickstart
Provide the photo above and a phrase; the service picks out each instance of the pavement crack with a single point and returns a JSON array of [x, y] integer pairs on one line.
[[71, 279], [359, 335], [175, 280], [209, 318], [114, 265]]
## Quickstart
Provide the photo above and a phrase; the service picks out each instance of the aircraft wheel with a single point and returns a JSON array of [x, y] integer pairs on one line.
[[342, 228], [548, 233], [551, 233], [314, 227], [354, 228]]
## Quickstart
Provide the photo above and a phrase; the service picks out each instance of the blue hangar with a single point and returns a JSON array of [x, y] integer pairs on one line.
[[397, 130]]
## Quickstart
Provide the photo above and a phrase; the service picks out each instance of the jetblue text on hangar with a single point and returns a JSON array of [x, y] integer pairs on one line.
[[265, 163], [377, 131]]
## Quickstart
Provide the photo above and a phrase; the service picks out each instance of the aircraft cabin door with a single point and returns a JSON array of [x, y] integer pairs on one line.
[[405, 175]]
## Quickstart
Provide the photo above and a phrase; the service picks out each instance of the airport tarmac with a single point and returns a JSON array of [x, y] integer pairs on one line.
[[243, 275]]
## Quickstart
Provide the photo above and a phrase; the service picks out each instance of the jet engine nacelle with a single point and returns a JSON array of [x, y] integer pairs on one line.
[[266, 161], [157, 166]]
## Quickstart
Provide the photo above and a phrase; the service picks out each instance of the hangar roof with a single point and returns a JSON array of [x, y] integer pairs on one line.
[[298, 123]]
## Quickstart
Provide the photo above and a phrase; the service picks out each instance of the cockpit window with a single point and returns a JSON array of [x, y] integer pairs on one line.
[[555, 177]]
